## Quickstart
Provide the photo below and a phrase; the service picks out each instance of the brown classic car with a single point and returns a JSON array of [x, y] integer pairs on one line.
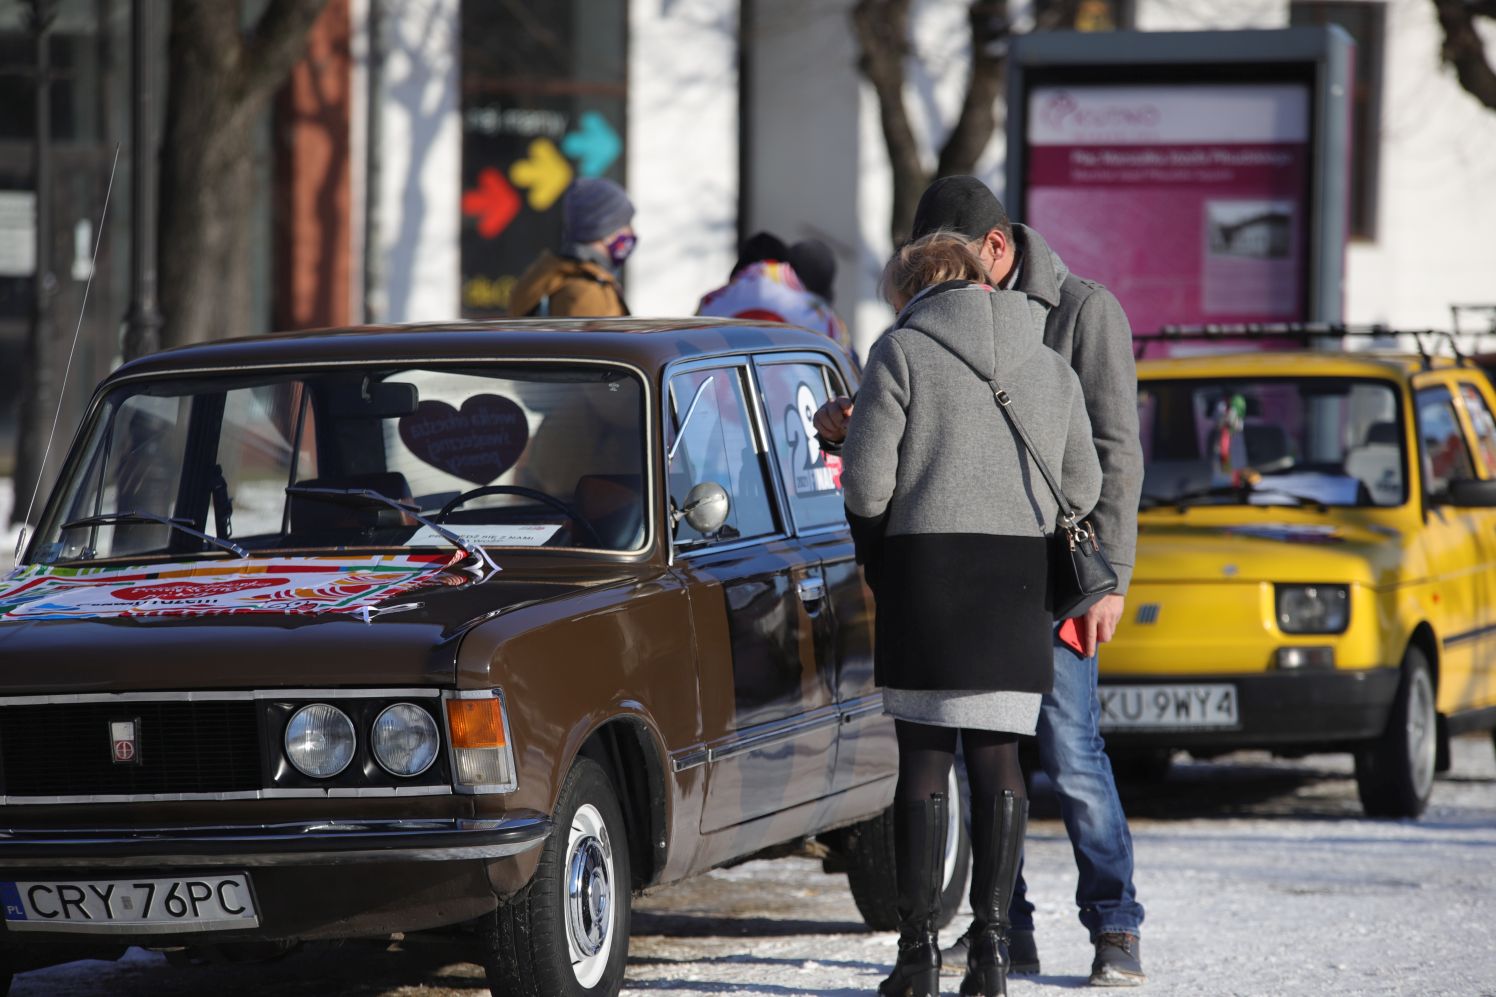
[[344, 633]]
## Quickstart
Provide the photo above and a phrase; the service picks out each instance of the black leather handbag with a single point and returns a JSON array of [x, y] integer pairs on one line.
[[1079, 573]]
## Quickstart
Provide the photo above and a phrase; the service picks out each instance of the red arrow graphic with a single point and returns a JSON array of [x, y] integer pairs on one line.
[[494, 201]]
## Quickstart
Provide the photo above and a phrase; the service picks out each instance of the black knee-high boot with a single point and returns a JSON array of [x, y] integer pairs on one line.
[[919, 850], [997, 828]]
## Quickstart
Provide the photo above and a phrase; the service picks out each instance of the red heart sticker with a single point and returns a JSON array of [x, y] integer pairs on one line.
[[178, 591], [477, 444]]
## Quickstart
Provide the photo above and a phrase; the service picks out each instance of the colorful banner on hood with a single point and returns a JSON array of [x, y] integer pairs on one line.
[[298, 587]]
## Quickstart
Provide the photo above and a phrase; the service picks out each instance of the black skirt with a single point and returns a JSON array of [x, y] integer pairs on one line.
[[963, 611]]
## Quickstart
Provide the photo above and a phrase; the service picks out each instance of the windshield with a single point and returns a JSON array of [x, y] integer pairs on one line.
[[1278, 441], [527, 456]]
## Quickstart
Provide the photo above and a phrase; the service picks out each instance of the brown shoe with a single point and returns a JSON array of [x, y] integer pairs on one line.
[[1118, 962]]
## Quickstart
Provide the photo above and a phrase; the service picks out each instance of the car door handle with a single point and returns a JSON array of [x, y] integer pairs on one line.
[[812, 589]]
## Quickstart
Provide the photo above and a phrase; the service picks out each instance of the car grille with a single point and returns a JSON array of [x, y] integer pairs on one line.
[[65, 749]]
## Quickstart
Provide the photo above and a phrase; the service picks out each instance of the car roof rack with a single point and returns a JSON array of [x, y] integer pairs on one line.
[[1489, 311], [1305, 332]]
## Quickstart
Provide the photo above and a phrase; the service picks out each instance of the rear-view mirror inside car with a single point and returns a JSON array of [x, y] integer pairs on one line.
[[366, 398]]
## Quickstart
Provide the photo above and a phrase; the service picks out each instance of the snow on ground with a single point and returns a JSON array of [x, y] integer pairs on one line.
[[1259, 876], [1304, 901]]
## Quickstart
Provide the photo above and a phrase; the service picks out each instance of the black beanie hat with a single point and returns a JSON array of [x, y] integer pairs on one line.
[[959, 204], [758, 247], [815, 265]]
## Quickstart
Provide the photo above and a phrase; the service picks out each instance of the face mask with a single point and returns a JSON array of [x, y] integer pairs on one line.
[[620, 246]]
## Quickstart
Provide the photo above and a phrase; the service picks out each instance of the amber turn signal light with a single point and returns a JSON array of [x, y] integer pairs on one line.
[[476, 723]]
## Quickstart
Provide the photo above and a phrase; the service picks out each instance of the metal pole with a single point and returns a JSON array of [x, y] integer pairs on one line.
[[143, 324], [374, 296]]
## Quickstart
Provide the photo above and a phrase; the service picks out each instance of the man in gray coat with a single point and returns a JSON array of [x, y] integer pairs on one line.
[[1084, 323]]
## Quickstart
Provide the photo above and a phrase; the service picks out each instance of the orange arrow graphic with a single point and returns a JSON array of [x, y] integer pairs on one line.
[[545, 174]]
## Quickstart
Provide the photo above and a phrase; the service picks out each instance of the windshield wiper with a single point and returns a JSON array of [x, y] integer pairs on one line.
[[111, 518], [368, 495]]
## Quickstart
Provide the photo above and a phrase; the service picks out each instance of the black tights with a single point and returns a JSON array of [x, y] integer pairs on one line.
[[926, 753]]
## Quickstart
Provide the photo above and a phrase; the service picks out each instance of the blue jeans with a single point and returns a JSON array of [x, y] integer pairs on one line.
[[1072, 755]]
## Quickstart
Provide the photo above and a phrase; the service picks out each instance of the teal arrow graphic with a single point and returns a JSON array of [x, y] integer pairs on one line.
[[594, 145]]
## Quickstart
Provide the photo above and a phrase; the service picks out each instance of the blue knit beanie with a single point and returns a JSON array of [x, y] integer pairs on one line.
[[593, 207]]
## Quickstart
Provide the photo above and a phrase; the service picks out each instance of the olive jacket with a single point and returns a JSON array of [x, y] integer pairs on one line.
[[567, 287]]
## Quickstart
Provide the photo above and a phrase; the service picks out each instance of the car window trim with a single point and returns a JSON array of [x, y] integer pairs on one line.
[[758, 433], [651, 533], [1461, 420], [1464, 387], [831, 380]]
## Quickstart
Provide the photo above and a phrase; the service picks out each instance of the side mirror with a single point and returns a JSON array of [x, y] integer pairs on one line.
[[1471, 494], [705, 508]]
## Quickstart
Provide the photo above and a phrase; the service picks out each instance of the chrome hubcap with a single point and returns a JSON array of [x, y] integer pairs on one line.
[[589, 895], [1421, 733]]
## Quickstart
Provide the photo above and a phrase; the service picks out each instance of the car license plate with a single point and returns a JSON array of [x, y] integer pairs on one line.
[[1131, 707], [129, 906]]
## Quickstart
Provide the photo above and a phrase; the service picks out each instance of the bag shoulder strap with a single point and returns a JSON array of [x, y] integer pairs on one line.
[[1005, 405]]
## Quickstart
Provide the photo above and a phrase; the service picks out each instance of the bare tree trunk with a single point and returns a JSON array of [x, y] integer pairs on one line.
[[978, 120], [1464, 49], [882, 28], [220, 79]]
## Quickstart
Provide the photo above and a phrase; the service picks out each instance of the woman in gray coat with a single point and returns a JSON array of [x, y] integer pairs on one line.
[[950, 515]]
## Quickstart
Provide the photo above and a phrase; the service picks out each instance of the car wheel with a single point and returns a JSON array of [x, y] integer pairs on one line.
[[566, 933], [1395, 771], [870, 865], [1140, 766]]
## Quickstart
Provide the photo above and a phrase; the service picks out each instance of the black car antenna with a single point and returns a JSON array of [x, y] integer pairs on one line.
[[72, 351]]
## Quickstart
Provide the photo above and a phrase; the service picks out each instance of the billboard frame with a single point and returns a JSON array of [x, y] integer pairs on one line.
[[1323, 56]]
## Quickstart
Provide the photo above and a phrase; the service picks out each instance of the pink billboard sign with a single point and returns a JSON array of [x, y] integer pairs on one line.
[[1188, 201]]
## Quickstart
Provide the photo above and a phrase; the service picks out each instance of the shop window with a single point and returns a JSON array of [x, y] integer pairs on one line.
[[544, 94]]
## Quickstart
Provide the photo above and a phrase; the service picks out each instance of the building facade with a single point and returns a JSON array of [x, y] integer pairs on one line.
[[413, 162]]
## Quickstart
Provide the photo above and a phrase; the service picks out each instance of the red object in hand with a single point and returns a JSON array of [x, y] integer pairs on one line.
[[1070, 637]]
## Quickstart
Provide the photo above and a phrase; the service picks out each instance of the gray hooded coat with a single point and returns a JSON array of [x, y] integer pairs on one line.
[[947, 508]]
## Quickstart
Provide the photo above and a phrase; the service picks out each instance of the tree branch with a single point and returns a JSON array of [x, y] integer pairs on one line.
[[1056, 15], [1465, 50], [978, 118], [276, 42], [882, 28]]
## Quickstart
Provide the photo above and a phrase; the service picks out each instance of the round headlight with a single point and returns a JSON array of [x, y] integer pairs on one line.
[[320, 740], [405, 740]]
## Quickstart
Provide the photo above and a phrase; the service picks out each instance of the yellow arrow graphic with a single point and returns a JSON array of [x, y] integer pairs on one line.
[[545, 174]]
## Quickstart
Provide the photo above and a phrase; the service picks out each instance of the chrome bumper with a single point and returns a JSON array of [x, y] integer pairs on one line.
[[307, 843]]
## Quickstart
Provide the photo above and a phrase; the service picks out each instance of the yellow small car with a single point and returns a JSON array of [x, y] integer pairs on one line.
[[1316, 565]]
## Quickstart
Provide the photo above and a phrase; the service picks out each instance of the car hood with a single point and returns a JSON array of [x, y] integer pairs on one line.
[[214, 628], [1263, 550]]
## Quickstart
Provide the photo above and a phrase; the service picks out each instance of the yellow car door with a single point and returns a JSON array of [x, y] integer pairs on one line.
[[1479, 404], [1456, 539]]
